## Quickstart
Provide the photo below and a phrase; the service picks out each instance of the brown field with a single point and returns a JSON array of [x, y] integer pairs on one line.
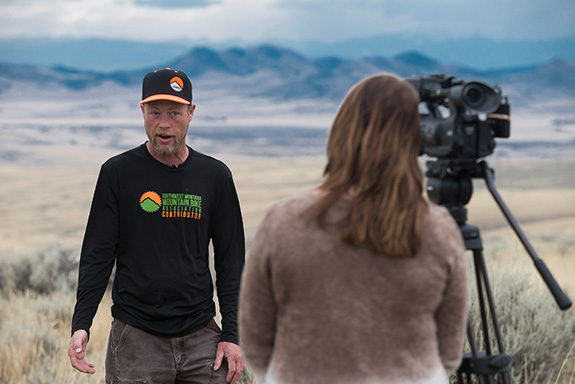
[[47, 203]]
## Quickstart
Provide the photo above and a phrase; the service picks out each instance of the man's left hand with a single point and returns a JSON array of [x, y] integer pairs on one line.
[[233, 354]]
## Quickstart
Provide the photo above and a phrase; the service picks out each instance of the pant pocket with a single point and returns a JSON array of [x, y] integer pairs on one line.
[[118, 362], [118, 334]]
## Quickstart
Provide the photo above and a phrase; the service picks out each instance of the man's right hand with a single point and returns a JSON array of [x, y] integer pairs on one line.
[[77, 352]]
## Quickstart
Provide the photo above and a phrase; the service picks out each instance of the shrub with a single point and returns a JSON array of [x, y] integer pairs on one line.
[[50, 270]]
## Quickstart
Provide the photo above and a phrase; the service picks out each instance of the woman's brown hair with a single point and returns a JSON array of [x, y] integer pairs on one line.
[[372, 153]]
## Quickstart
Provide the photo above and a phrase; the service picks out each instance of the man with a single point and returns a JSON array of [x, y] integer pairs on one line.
[[155, 209]]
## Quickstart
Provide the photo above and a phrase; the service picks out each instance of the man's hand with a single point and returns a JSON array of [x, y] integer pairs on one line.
[[77, 350], [233, 354]]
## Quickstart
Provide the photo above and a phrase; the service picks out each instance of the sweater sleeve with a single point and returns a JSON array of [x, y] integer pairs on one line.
[[229, 256], [98, 252], [451, 316], [258, 308]]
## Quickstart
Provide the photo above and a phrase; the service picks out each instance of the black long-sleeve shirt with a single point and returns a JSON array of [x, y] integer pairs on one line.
[[155, 223]]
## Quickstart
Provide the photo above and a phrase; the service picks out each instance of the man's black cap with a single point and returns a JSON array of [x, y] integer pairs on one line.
[[167, 84]]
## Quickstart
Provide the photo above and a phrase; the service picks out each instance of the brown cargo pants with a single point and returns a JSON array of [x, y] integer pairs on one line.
[[137, 357]]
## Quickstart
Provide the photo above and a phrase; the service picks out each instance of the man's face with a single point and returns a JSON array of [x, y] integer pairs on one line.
[[166, 124]]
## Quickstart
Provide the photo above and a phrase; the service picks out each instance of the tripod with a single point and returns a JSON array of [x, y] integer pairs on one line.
[[450, 184]]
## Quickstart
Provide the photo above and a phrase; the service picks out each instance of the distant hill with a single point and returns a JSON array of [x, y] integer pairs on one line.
[[113, 54], [275, 72]]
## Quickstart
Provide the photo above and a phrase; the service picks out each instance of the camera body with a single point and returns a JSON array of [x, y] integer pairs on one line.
[[462, 119]]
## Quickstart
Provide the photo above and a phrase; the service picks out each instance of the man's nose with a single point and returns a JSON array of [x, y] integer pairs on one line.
[[164, 121]]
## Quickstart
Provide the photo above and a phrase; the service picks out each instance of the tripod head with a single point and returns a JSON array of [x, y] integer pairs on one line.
[[449, 184]]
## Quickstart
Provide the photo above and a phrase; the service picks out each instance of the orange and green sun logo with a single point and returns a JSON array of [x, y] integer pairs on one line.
[[150, 202]]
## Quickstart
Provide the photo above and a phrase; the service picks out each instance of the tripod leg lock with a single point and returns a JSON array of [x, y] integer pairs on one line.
[[485, 364]]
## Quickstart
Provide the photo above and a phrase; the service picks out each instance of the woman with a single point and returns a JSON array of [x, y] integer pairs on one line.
[[361, 280]]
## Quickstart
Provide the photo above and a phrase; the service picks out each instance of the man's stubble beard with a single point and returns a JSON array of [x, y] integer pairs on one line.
[[166, 151]]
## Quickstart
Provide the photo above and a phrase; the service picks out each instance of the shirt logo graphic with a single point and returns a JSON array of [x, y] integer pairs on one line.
[[150, 202], [172, 205]]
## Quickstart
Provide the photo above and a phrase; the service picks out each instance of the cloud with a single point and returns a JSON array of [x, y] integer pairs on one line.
[[256, 21], [175, 3], [516, 19]]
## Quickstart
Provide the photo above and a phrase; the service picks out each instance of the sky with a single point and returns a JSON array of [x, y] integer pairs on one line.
[[256, 21]]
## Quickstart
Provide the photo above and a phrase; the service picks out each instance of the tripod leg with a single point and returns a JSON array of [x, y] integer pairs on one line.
[[560, 296], [485, 365], [468, 359], [480, 274], [498, 364]]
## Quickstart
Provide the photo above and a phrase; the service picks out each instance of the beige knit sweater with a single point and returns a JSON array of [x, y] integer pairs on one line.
[[316, 310]]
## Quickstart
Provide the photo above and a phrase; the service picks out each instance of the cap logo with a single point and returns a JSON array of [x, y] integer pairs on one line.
[[177, 84]]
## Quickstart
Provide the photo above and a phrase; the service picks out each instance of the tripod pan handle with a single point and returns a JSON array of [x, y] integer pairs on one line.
[[560, 296]]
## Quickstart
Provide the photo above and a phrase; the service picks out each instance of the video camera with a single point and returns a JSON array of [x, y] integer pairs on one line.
[[463, 117]]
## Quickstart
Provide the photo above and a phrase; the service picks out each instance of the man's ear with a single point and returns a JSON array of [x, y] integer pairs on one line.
[[192, 109]]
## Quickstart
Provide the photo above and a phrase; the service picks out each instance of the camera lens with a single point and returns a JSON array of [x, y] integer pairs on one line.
[[474, 96]]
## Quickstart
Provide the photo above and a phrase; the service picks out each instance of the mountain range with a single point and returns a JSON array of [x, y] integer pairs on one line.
[[265, 100], [279, 73], [115, 54]]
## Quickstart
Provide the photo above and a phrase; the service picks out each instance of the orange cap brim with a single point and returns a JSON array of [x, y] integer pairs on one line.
[[165, 97]]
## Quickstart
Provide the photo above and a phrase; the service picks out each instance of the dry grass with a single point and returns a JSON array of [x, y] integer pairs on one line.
[[47, 204], [34, 330], [538, 335]]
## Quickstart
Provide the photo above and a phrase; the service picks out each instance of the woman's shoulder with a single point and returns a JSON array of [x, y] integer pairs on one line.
[[297, 202], [438, 215], [440, 229], [287, 213]]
